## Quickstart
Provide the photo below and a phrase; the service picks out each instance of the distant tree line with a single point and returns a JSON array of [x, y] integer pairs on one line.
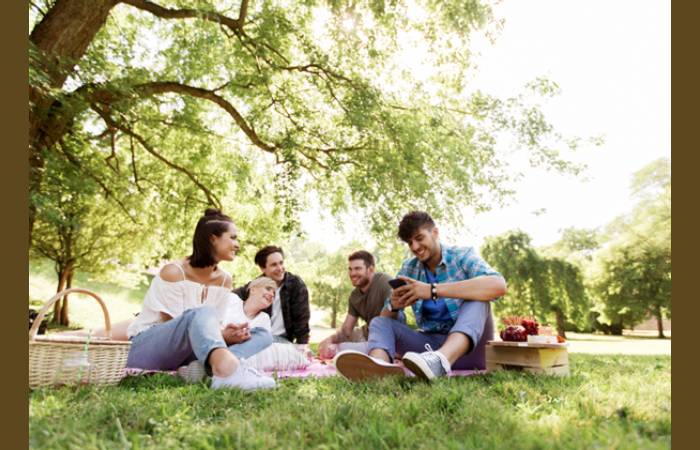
[[604, 280]]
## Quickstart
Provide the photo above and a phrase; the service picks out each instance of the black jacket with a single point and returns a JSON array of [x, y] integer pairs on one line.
[[294, 299]]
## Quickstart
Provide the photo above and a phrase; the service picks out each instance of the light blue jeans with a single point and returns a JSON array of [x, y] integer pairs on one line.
[[192, 335], [280, 339], [474, 321]]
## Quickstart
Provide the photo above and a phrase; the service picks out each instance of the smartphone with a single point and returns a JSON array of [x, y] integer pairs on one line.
[[397, 283]]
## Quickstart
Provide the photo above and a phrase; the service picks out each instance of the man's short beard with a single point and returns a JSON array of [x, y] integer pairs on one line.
[[363, 282]]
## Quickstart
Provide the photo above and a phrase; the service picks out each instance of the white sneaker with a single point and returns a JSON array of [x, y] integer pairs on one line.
[[358, 366], [193, 372], [245, 378]]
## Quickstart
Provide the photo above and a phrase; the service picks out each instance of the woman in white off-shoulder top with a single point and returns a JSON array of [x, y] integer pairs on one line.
[[190, 316]]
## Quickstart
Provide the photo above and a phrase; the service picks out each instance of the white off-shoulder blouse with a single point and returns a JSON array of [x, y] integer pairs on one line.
[[175, 297]]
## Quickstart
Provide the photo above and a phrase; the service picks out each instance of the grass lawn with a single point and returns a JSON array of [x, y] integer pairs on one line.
[[609, 401]]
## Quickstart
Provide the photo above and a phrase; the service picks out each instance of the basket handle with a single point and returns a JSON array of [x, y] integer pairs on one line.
[[35, 326]]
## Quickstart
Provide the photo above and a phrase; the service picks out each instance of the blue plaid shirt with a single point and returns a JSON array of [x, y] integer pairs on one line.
[[457, 264]]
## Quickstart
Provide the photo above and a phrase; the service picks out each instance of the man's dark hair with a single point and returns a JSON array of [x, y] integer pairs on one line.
[[413, 222], [212, 223], [364, 256], [263, 253]]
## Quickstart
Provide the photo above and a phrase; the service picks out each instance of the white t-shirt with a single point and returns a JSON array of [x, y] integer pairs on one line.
[[234, 313], [277, 318]]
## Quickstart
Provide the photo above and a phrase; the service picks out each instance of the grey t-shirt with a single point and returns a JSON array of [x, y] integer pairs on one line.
[[368, 305]]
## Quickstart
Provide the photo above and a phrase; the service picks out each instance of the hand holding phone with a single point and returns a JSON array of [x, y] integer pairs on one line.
[[397, 283], [404, 297]]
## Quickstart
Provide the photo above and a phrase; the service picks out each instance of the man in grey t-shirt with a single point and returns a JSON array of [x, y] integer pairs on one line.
[[366, 300]]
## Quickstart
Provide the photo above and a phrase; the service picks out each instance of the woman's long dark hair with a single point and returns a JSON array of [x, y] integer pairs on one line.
[[212, 223]]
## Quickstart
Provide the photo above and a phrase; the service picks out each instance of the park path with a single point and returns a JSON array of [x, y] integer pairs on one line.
[[627, 345], [581, 343]]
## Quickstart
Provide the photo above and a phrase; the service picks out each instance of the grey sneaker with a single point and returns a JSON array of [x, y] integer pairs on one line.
[[358, 366], [193, 372], [427, 365]]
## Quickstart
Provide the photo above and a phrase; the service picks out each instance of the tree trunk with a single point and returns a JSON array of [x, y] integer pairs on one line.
[[58, 306], [66, 31], [334, 313], [64, 310], [659, 322], [561, 321], [616, 329], [60, 40]]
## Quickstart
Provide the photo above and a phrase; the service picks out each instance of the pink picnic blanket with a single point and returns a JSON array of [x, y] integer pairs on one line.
[[317, 368], [326, 369]]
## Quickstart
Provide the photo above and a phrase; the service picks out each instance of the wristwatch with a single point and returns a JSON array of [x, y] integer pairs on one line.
[[389, 308]]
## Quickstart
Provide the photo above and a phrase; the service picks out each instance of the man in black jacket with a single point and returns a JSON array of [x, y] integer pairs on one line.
[[289, 311]]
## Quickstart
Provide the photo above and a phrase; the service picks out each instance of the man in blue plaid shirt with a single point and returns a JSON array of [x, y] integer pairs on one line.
[[449, 289]]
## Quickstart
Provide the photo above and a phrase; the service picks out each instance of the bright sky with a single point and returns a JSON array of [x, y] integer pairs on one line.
[[612, 61]]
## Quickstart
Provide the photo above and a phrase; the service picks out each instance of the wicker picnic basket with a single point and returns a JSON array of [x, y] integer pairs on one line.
[[64, 360]]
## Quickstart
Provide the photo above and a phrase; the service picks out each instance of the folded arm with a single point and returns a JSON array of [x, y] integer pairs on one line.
[[482, 288]]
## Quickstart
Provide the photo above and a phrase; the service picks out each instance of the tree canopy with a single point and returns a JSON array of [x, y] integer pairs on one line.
[[607, 278], [179, 100]]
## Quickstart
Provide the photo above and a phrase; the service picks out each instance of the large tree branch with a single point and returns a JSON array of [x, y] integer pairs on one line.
[[211, 197], [186, 13], [99, 95], [161, 87]]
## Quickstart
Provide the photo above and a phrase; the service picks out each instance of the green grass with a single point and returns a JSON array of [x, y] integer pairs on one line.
[[607, 402]]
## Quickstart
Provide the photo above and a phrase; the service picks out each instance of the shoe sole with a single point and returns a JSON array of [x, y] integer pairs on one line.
[[359, 367], [419, 368]]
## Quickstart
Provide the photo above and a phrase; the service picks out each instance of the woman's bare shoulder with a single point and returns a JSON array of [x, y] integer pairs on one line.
[[172, 272]]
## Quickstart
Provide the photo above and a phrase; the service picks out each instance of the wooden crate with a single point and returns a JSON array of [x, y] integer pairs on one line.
[[549, 359]]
